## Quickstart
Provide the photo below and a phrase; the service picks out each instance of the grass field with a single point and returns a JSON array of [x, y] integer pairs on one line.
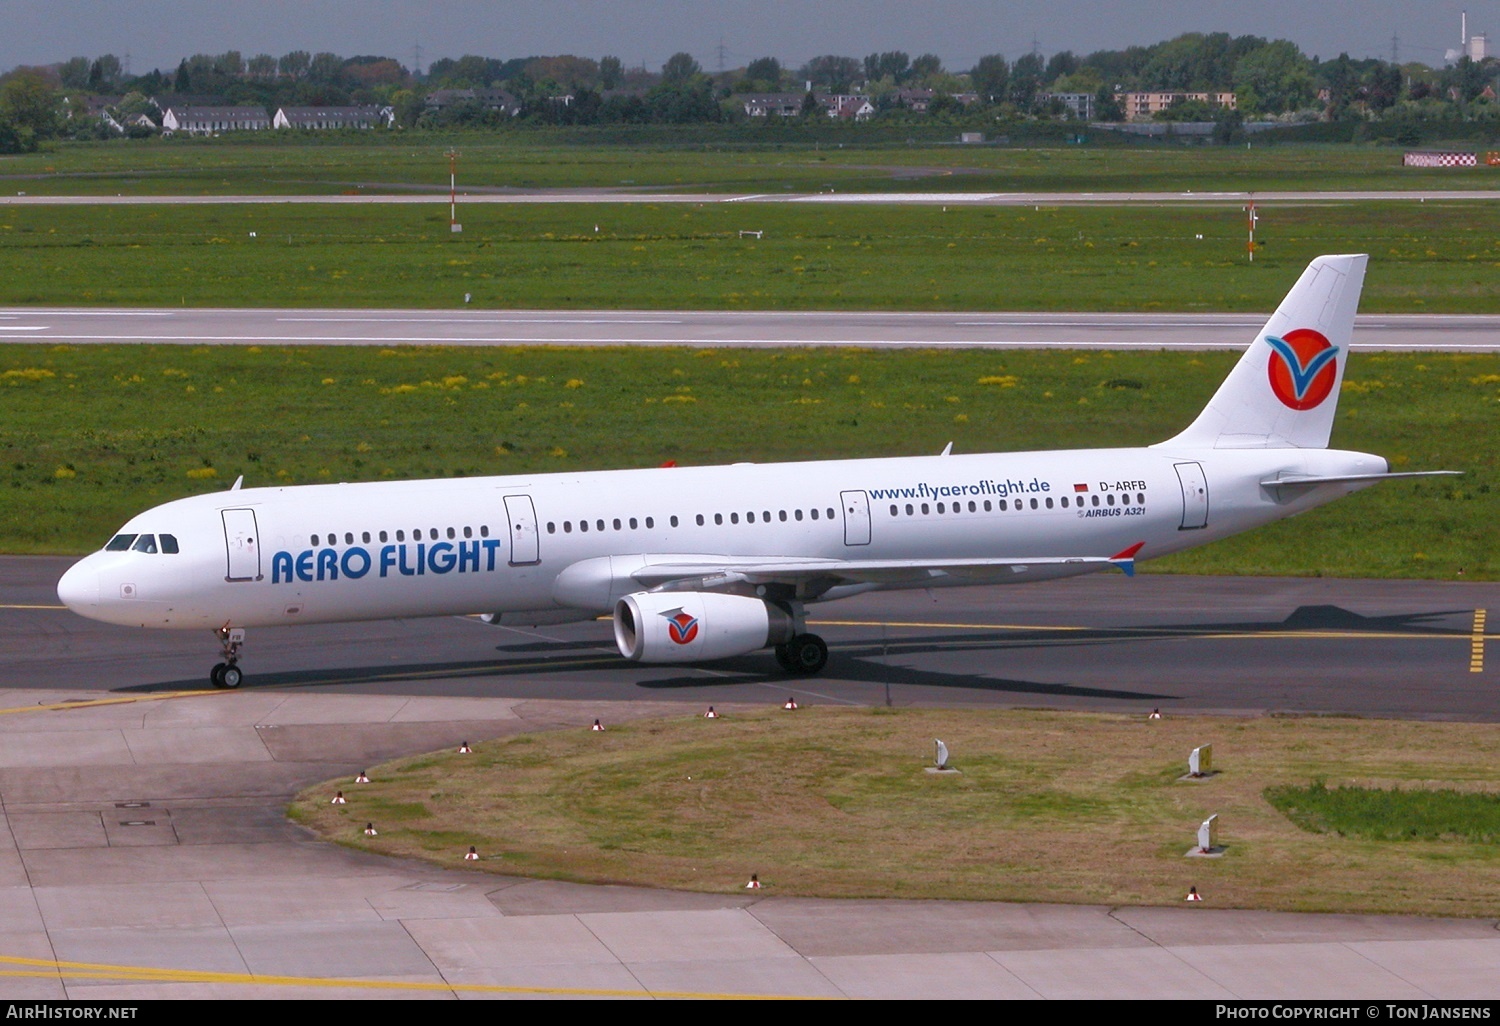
[[773, 162], [1047, 806], [1434, 257], [93, 434]]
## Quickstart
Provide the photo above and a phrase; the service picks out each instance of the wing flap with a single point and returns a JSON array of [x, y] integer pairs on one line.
[[734, 570]]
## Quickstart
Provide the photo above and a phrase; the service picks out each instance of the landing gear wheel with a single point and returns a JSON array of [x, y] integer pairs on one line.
[[784, 658], [808, 654], [231, 676], [216, 675]]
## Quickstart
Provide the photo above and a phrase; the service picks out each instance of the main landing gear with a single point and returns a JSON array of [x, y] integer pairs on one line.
[[802, 654], [805, 655], [228, 674]]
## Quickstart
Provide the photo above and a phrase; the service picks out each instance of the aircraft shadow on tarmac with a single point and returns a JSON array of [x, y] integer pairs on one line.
[[861, 661]]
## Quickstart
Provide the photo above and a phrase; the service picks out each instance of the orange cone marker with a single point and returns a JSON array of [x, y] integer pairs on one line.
[[1193, 895], [464, 749], [710, 715], [597, 726], [363, 778], [754, 884], [1155, 714], [791, 703], [369, 829], [338, 799], [472, 855]]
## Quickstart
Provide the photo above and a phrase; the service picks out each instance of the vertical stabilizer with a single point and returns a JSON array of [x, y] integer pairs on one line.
[[1284, 391]]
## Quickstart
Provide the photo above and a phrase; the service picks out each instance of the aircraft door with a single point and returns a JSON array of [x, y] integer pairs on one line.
[[520, 515], [856, 517], [1194, 496], [242, 543]]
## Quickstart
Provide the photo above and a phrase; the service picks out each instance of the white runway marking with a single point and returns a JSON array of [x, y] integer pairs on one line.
[[466, 320]]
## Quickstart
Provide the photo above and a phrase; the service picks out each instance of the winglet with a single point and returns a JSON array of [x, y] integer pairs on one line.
[[1126, 560], [237, 482]]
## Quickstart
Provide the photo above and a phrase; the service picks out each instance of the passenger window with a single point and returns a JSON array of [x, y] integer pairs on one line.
[[599, 524], [1033, 504], [987, 506], [1049, 502], [940, 508], [468, 532], [674, 520], [750, 517], [830, 512], [925, 511], [765, 515], [484, 530], [718, 518], [315, 541], [1110, 498], [169, 544], [782, 515], [119, 543], [583, 525], [400, 536], [894, 511], [814, 514], [365, 537], [145, 543], [700, 519], [797, 513], [450, 533], [348, 537], [1094, 499], [734, 518], [1125, 499], [650, 522], [551, 527], [384, 537], [567, 527], [634, 524], [617, 523]]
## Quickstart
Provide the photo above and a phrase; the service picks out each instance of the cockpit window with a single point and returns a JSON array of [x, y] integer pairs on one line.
[[119, 543], [145, 543], [169, 544]]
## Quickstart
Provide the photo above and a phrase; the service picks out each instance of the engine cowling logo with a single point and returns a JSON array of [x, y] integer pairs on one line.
[[681, 627]]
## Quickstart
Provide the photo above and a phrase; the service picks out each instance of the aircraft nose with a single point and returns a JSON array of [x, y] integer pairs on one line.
[[79, 587]]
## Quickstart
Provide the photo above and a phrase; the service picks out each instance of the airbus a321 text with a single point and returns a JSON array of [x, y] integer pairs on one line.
[[705, 563]]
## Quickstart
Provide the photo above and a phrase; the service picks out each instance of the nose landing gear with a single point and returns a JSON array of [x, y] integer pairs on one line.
[[228, 674]]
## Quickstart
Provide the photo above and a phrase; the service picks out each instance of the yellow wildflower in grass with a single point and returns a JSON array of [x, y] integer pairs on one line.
[[63, 473], [962, 418], [327, 381], [574, 383], [203, 473], [1003, 380], [558, 452], [26, 374]]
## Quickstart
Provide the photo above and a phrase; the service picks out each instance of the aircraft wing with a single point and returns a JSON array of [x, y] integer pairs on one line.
[[708, 576]]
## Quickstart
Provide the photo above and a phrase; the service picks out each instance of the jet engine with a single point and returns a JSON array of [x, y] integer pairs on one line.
[[693, 626]]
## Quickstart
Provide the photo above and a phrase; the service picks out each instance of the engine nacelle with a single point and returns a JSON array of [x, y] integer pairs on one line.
[[696, 626]]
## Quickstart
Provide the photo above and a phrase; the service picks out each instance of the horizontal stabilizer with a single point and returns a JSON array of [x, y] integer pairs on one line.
[[1308, 481]]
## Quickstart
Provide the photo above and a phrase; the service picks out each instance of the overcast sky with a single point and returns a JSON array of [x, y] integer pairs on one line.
[[158, 33]]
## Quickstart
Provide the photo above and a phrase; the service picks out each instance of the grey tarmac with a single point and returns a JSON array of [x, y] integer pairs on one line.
[[145, 827], [463, 326]]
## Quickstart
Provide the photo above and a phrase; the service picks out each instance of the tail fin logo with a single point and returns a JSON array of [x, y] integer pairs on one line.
[[1303, 368]]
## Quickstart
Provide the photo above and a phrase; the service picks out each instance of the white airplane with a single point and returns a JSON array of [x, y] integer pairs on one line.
[[705, 563]]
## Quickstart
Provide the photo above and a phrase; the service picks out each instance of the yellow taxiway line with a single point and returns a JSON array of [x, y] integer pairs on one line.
[[41, 968]]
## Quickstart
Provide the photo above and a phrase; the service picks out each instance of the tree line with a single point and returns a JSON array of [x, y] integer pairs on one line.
[[1270, 78]]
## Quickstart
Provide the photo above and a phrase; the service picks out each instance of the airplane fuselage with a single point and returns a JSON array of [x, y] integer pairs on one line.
[[551, 547]]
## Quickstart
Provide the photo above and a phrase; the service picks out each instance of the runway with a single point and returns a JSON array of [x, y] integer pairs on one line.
[[146, 853], [384, 193], [470, 327]]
